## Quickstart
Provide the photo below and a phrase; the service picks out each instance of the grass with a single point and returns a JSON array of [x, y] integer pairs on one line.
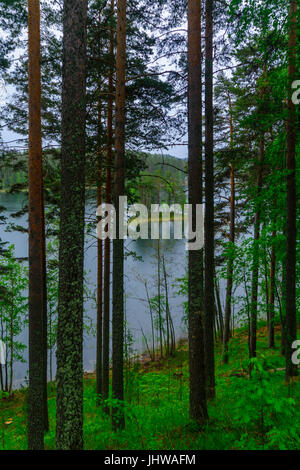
[[261, 412]]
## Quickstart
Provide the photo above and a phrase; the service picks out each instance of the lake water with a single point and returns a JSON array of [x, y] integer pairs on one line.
[[136, 272]]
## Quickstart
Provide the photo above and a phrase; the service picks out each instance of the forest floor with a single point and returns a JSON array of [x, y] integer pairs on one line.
[[261, 412]]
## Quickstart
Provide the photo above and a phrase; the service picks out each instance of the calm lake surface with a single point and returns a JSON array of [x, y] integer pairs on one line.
[[136, 273]]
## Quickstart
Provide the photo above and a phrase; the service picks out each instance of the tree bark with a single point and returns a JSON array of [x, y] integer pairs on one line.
[[12, 340], [219, 309], [171, 339], [69, 415], [36, 393], [255, 267], [271, 304], [209, 298], [198, 406], [45, 317], [99, 347], [229, 285], [159, 297], [281, 298], [118, 244], [291, 229], [108, 199], [152, 322]]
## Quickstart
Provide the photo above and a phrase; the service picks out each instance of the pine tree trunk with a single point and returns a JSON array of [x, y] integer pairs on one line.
[[118, 244], [219, 310], [256, 258], [152, 323], [11, 342], [209, 297], [198, 406], [271, 304], [283, 309], [36, 393], [69, 415], [229, 280], [291, 229], [159, 298], [99, 347], [108, 199], [171, 341], [45, 318]]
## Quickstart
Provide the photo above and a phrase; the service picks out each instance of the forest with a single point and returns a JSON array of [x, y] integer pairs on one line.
[[171, 321]]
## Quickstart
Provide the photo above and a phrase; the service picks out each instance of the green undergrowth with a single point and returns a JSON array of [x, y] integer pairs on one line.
[[257, 412]]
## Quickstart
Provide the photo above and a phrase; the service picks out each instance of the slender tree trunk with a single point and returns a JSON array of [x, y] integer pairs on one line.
[[50, 363], [1, 378], [291, 229], [271, 305], [160, 326], [255, 268], [1, 368], [12, 342], [99, 364], [266, 281], [118, 244], [45, 318], [159, 298], [216, 323], [229, 280], [69, 415], [36, 401], [6, 371], [198, 406], [219, 309], [170, 328], [209, 297], [108, 199], [152, 323], [283, 309]]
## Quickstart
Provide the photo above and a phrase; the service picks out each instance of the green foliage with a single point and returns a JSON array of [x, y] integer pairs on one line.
[[267, 415], [250, 412], [13, 313]]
